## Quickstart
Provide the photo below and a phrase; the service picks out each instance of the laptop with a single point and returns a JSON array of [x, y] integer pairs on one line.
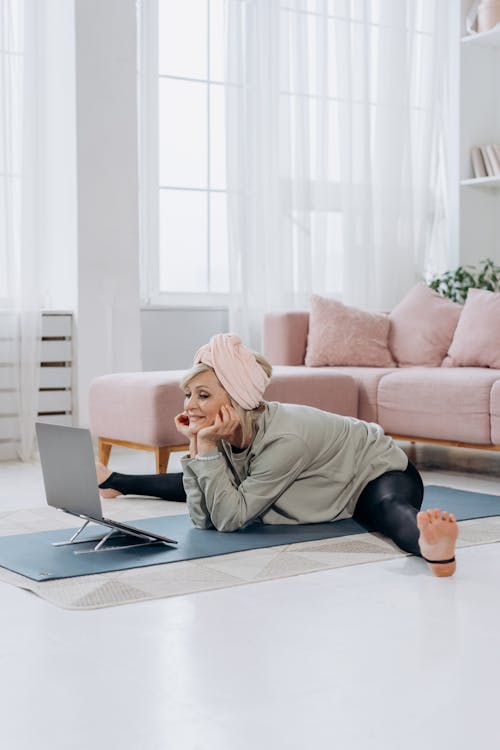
[[69, 476]]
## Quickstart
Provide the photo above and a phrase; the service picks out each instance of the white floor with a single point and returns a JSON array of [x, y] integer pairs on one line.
[[372, 656]]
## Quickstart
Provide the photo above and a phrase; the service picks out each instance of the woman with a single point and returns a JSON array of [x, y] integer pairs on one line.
[[251, 460]]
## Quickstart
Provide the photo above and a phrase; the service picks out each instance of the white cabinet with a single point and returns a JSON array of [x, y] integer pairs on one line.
[[55, 395], [479, 124]]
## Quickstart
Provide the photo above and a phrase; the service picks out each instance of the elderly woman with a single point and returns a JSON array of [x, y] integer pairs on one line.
[[252, 460]]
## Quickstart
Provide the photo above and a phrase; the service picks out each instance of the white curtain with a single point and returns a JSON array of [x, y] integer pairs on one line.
[[392, 110], [21, 220], [334, 150]]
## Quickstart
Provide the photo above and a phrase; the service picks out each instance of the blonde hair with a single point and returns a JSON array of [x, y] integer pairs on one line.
[[247, 417]]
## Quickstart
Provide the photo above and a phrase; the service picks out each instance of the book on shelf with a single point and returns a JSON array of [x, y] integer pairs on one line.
[[485, 160], [496, 149], [478, 165], [493, 159], [488, 162]]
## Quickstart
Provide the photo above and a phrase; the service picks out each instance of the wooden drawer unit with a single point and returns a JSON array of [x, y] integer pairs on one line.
[[55, 398], [9, 422], [55, 395]]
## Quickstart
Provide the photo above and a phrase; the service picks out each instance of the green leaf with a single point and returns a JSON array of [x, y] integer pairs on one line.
[[455, 284]]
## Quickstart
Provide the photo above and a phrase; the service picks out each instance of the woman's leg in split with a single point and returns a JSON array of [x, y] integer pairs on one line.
[[391, 505], [164, 486]]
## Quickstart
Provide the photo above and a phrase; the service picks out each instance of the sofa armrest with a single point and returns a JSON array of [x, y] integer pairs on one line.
[[285, 337]]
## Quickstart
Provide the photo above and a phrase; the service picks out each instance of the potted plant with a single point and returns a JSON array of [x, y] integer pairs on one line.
[[455, 284]]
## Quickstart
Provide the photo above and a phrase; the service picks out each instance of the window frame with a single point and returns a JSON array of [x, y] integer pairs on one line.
[[149, 182]]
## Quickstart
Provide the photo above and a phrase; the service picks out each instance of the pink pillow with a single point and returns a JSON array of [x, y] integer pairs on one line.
[[422, 327], [476, 342], [342, 335]]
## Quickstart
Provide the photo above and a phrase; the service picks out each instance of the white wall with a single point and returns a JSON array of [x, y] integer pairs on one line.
[[108, 308], [171, 336]]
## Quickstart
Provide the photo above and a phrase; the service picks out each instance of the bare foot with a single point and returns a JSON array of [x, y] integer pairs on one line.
[[438, 537], [102, 474]]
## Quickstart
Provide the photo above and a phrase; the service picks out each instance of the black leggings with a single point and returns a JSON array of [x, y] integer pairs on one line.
[[165, 486], [388, 504]]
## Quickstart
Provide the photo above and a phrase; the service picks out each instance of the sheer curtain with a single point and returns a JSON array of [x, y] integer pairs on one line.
[[21, 221], [392, 109], [334, 150]]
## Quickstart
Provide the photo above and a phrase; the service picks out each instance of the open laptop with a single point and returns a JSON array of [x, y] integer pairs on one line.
[[69, 475]]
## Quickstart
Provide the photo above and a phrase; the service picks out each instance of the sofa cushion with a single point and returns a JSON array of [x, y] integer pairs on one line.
[[495, 412], [284, 337], [367, 379], [422, 327], [440, 403], [343, 335], [320, 387], [476, 342]]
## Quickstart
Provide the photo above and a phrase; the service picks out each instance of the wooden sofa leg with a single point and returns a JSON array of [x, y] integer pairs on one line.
[[162, 455], [103, 451], [161, 452]]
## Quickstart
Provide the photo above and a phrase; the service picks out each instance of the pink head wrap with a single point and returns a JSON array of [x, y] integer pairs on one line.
[[236, 368]]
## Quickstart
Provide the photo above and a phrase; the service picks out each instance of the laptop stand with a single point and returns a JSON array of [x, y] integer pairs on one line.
[[101, 540]]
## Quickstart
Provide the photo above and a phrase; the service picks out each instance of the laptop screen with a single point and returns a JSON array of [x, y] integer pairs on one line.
[[68, 467]]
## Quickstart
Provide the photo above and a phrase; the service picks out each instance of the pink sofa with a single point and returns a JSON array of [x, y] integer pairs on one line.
[[448, 405], [428, 372]]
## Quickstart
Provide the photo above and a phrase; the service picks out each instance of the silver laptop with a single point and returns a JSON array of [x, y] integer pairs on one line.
[[69, 475]]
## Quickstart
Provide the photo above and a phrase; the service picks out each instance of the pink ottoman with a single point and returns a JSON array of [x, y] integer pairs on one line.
[[137, 410]]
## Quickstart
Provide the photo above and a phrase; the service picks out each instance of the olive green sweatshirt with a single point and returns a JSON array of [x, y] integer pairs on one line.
[[304, 465]]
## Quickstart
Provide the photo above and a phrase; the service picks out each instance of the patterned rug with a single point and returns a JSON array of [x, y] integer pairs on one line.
[[187, 577]]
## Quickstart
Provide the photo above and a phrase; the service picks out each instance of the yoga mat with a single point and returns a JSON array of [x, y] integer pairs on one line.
[[32, 555]]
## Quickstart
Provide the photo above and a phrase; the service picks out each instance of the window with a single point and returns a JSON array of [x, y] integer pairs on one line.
[[340, 97], [183, 183]]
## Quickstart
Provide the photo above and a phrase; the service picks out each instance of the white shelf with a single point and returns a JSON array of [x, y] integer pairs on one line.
[[485, 39], [482, 182], [476, 120]]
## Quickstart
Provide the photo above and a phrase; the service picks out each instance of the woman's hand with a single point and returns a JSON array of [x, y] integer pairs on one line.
[[182, 424], [225, 427]]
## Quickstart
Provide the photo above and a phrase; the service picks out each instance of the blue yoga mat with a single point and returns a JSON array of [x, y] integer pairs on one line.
[[33, 556]]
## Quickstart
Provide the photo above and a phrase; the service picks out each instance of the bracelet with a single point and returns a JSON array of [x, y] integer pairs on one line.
[[210, 457]]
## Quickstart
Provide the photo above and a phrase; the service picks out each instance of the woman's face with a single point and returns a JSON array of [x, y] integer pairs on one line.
[[204, 397]]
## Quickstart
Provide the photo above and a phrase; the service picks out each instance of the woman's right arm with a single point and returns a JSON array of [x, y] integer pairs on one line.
[[196, 503], [182, 425], [192, 447], [197, 506]]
